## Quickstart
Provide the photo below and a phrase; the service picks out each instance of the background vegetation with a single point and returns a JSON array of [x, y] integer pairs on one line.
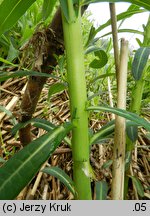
[[32, 57]]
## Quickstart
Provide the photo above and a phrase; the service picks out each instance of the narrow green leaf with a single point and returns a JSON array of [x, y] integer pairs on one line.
[[91, 36], [39, 123], [107, 131], [48, 6], [6, 75], [104, 132], [101, 77], [56, 88], [121, 16], [123, 31], [139, 42], [2, 160], [107, 164], [141, 3], [92, 48], [67, 6], [11, 11], [62, 176], [126, 181], [138, 185], [128, 115], [130, 8], [64, 8], [101, 190], [23, 166], [132, 133], [9, 113], [139, 62], [128, 159], [7, 62]]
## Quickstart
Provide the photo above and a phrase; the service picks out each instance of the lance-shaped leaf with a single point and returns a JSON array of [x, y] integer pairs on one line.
[[128, 115], [39, 123], [122, 31], [107, 131], [67, 6], [56, 88], [9, 113], [138, 185], [62, 176], [142, 3], [17, 172], [101, 190], [2, 160], [11, 11], [7, 62], [6, 75], [122, 16], [132, 133], [139, 62], [104, 132], [47, 8]]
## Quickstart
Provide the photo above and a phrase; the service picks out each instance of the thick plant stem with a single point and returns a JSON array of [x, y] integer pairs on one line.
[[78, 99], [137, 96], [54, 45], [120, 138]]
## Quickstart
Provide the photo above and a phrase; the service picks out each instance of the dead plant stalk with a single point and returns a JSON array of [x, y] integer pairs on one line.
[[120, 138]]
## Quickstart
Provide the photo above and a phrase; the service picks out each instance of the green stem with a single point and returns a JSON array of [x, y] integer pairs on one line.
[[78, 98], [137, 96], [136, 101]]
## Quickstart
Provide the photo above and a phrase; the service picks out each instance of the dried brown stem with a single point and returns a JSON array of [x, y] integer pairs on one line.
[[115, 36], [120, 139], [45, 61]]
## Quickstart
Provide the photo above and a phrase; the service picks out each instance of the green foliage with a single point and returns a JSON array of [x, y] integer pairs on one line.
[[56, 88], [9, 113], [141, 3], [132, 132], [100, 60], [70, 9], [62, 176], [136, 182], [120, 17], [104, 132], [11, 11], [6, 75], [123, 113], [2, 160], [36, 122], [107, 164], [48, 6], [7, 62], [101, 190], [22, 167], [139, 62], [39, 123]]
